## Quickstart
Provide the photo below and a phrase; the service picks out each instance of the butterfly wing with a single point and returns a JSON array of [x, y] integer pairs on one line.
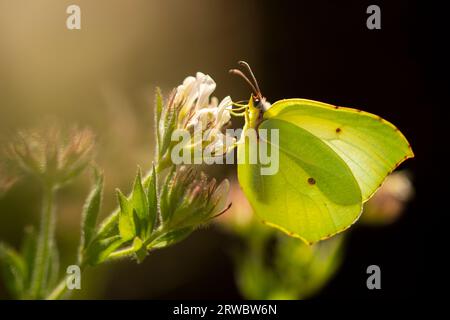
[[314, 193], [371, 146]]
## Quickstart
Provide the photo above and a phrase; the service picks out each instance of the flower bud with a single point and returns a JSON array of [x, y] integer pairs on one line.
[[191, 199], [389, 202]]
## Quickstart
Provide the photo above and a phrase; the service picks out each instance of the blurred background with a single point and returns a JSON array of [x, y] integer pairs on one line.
[[104, 75]]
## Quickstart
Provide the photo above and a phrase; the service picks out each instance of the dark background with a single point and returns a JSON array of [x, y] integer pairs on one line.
[[319, 50]]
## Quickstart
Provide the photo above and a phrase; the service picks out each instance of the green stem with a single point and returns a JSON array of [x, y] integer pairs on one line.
[[45, 242], [61, 288], [58, 291]]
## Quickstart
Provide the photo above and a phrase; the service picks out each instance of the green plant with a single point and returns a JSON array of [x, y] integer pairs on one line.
[[274, 266], [163, 207]]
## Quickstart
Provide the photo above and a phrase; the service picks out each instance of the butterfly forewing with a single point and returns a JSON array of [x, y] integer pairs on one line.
[[370, 146]]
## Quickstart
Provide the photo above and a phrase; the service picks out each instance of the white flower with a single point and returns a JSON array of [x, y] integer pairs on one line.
[[200, 113], [194, 93], [214, 113]]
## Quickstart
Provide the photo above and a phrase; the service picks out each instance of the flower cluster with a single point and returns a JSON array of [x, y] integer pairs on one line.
[[191, 108], [190, 199], [51, 154]]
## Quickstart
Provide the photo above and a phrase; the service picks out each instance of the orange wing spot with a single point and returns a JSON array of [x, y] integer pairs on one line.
[[338, 130], [311, 181]]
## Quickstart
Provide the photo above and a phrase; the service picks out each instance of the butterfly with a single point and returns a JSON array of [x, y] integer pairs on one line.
[[331, 160]]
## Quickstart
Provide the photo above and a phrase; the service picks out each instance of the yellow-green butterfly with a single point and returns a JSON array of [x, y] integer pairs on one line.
[[331, 160]]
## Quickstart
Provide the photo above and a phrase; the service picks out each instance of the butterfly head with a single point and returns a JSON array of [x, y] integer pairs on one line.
[[259, 101]]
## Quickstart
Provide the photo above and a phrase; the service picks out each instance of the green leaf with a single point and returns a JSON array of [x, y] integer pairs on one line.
[[13, 270], [158, 111], [28, 252], [138, 227], [139, 249], [168, 124], [159, 103], [152, 194], [165, 206], [140, 205], [170, 238], [127, 227], [107, 227], [91, 211], [99, 250]]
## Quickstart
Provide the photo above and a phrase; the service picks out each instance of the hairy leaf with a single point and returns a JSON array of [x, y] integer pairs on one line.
[[99, 250], [140, 204], [13, 269], [127, 227], [153, 206], [91, 211]]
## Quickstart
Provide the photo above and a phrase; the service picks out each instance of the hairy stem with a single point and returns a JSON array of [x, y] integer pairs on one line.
[[45, 242], [58, 291], [61, 288]]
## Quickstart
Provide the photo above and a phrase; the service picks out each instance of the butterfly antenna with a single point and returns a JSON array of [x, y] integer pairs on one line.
[[255, 82], [243, 76]]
